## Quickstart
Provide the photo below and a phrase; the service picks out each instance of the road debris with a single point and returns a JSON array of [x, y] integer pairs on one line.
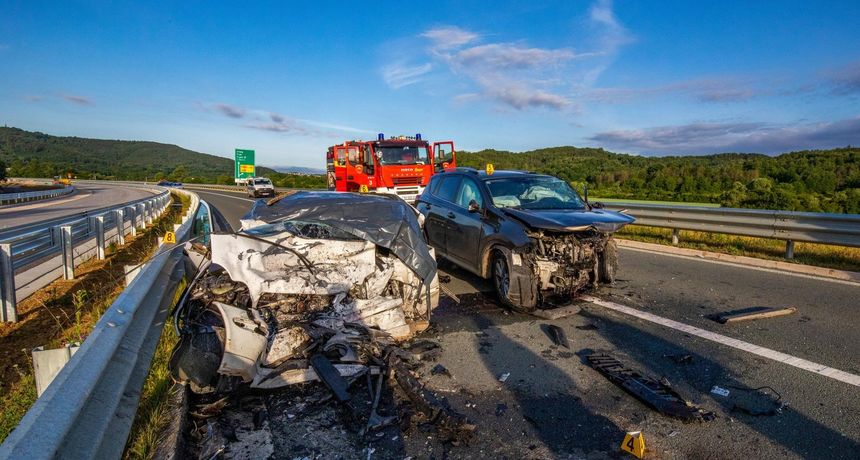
[[440, 370], [751, 313], [452, 426], [504, 377], [757, 402], [720, 391], [683, 359], [651, 392], [556, 334]]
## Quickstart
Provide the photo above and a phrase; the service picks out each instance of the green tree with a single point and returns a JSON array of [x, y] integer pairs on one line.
[[179, 173]]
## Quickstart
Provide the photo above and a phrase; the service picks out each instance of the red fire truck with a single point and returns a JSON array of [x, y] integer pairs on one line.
[[399, 166]]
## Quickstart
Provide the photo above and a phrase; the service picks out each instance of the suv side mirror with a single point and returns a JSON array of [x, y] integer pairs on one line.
[[597, 205], [474, 206]]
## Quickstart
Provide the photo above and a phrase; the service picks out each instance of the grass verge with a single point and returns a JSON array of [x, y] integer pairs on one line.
[[820, 255], [153, 412], [65, 312]]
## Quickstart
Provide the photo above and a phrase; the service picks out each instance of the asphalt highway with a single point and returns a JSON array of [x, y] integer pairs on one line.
[[557, 406], [85, 198]]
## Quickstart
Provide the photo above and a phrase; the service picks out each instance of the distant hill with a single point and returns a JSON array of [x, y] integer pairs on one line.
[[814, 180], [34, 154], [297, 170]]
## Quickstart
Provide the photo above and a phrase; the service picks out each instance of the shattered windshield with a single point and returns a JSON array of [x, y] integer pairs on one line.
[[534, 192], [402, 155], [312, 230]]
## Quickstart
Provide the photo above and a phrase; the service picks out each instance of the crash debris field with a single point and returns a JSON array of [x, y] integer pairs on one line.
[[316, 334]]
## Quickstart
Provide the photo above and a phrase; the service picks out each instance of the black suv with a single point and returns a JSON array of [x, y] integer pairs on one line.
[[532, 233]]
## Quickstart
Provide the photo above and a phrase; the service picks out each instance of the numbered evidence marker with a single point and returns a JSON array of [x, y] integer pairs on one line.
[[634, 443], [170, 237], [362, 188]]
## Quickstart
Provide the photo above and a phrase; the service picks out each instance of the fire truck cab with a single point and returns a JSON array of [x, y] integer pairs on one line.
[[399, 166]]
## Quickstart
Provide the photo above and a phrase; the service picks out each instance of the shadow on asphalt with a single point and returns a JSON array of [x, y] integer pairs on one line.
[[791, 429], [560, 420]]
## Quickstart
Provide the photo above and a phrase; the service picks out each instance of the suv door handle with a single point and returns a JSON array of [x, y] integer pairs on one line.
[[451, 215]]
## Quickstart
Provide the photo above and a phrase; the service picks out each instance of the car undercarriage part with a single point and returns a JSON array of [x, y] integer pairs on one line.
[[653, 393], [451, 425], [747, 314], [556, 334]]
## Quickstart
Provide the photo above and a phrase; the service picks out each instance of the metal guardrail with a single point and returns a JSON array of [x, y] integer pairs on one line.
[[12, 198], [33, 256], [88, 410], [790, 226]]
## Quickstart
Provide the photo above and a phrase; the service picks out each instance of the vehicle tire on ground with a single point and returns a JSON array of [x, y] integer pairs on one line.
[[501, 274], [607, 262]]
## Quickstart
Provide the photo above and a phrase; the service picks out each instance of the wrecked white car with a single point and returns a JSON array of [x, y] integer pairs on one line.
[[314, 282]]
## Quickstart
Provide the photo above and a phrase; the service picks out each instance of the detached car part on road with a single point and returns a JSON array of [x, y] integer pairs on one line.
[[313, 274], [531, 233]]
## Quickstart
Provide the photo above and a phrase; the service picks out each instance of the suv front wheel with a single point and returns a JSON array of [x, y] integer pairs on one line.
[[502, 282]]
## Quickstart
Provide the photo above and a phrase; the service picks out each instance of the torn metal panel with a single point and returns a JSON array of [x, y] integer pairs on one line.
[[244, 343], [268, 379], [267, 268], [385, 221], [651, 392]]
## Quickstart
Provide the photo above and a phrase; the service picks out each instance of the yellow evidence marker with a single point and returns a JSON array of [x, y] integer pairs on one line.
[[634, 443], [490, 169], [170, 237], [362, 188]]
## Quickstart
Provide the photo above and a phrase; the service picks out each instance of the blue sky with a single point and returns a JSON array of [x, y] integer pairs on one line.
[[654, 78]]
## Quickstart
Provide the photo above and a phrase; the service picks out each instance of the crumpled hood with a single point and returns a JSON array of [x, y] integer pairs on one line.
[[571, 220]]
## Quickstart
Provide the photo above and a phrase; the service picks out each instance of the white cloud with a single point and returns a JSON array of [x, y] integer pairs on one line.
[[756, 137], [514, 74], [398, 75], [444, 38]]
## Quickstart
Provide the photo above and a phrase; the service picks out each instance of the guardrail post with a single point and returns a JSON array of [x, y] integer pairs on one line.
[[119, 216], [97, 223], [8, 307], [676, 236], [139, 212], [68, 252], [131, 217], [789, 249]]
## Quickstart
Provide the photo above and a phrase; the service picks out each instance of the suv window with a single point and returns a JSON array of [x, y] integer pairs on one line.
[[469, 192], [448, 188]]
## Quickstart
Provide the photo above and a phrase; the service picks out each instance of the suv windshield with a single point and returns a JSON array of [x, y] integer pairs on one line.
[[534, 192], [262, 182], [402, 155]]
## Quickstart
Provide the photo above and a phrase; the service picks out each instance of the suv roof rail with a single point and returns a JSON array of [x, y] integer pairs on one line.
[[462, 169]]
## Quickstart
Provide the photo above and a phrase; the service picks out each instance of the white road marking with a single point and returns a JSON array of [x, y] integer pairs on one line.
[[221, 194], [800, 363], [77, 195], [733, 264]]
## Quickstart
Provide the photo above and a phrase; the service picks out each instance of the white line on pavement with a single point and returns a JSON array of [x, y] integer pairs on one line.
[[221, 194], [800, 363]]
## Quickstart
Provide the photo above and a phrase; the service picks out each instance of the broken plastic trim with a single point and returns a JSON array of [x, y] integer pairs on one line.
[[651, 392]]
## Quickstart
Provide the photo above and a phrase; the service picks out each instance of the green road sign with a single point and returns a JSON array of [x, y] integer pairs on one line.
[[244, 164]]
